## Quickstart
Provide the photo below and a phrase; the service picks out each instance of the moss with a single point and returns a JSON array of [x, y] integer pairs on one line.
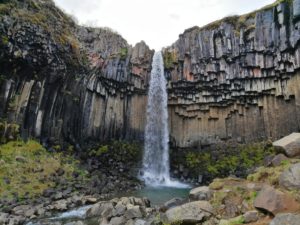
[[118, 150], [233, 221], [123, 53], [101, 150], [270, 174], [33, 174], [228, 161], [57, 147], [217, 184], [4, 40], [6, 7], [240, 21], [170, 58]]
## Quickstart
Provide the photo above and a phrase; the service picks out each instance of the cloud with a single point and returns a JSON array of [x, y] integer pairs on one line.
[[174, 16], [79, 6], [158, 22]]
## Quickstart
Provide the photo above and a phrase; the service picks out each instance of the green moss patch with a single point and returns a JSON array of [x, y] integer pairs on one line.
[[271, 175], [220, 163], [27, 169], [117, 150]]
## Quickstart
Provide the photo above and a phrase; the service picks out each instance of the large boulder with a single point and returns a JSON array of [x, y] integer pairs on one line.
[[171, 203], [290, 178], [286, 219], [274, 201], [289, 144], [190, 213], [200, 193]]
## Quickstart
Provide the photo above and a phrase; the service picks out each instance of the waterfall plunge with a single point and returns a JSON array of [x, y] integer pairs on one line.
[[156, 150]]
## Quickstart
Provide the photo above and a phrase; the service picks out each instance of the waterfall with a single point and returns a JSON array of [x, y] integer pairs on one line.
[[156, 150]]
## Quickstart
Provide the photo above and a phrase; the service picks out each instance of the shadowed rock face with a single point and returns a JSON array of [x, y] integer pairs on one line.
[[237, 78], [60, 81]]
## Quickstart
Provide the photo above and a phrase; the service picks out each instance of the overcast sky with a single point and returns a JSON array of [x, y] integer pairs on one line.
[[158, 22]]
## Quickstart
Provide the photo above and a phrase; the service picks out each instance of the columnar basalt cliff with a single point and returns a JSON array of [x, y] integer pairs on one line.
[[60, 81], [236, 79]]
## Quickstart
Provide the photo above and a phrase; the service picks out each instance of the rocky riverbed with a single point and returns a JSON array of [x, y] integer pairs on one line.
[[270, 195]]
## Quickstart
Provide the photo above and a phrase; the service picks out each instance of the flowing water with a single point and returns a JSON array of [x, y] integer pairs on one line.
[[159, 186], [156, 150]]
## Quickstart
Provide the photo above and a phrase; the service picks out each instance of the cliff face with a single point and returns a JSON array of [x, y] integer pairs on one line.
[[60, 81], [236, 79]]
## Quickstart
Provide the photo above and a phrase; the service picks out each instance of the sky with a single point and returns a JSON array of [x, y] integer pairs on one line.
[[157, 22]]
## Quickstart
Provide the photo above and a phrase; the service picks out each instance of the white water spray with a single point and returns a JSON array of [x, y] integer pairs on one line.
[[156, 150]]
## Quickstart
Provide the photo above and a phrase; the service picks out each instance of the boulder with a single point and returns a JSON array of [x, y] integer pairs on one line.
[[3, 218], [190, 213], [286, 219], [200, 193], [119, 209], [117, 220], [171, 203], [290, 178], [289, 144], [103, 209], [274, 201], [133, 212], [250, 216], [278, 159]]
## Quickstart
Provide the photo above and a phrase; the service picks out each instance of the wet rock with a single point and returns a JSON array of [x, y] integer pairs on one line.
[[189, 213], [274, 201], [200, 193], [290, 178]]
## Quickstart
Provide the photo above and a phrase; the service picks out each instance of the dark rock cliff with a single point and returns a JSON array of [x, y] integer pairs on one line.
[[236, 79], [60, 81]]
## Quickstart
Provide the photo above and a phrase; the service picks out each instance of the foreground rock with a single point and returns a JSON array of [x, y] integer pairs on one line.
[[190, 213], [274, 201], [286, 219], [289, 144], [120, 211], [200, 193], [290, 178]]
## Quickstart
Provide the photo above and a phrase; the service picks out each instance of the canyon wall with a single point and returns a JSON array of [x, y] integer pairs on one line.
[[62, 82], [236, 79]]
